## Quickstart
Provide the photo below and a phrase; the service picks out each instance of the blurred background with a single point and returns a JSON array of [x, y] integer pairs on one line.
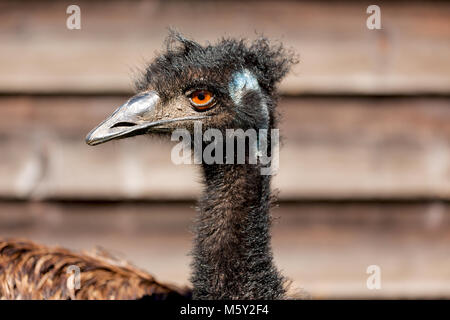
[[364, 173]]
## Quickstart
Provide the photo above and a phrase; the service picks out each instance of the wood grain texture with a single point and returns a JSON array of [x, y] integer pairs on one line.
[[323, 248], [409, 55], [333, 148]]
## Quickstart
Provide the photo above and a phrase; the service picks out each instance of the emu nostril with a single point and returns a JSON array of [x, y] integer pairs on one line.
[[123, 124]]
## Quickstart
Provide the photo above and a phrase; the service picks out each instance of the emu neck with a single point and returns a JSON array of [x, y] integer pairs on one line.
[[232, 253]]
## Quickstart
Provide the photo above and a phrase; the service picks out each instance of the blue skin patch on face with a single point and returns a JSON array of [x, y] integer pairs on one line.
[[240, 83], [243, 81]]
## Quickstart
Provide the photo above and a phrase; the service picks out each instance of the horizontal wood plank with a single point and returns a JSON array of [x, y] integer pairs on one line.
[[333, 148], [324, 248], [338, 54]]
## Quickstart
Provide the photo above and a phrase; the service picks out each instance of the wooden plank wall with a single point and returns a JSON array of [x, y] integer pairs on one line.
[[364, 170]]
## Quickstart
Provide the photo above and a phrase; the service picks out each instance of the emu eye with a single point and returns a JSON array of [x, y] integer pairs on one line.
[[201, 99]]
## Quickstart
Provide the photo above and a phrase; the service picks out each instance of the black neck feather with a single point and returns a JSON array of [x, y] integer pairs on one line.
[[232, 252]]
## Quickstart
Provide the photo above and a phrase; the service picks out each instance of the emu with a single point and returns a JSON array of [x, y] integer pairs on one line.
[[228, 85]]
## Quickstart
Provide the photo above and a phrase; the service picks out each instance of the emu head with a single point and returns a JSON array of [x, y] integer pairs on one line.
[[229, 85]]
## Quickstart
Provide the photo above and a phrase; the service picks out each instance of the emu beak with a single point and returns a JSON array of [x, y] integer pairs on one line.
[[127, 120], [137, 116]]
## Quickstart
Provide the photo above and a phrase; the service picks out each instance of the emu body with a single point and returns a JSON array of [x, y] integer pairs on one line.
[[229, 85], [32, 271]]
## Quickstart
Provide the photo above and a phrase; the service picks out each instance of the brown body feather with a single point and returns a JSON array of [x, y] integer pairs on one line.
[[32, 271]]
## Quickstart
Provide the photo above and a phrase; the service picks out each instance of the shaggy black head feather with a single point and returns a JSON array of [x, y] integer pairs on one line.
[[185, 63]]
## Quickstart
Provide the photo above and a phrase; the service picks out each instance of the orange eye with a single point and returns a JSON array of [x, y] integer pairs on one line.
[[201, 99]]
